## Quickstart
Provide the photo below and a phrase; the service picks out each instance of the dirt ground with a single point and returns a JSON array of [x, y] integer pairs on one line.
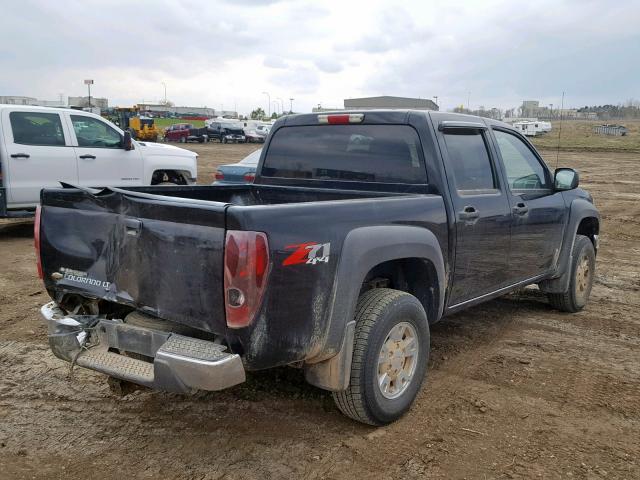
[[514, 389]]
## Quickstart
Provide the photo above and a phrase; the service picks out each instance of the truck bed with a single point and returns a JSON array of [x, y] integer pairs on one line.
[[161, 249], [248, 194]]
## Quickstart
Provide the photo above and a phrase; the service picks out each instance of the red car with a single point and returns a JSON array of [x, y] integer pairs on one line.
[[185, 132]]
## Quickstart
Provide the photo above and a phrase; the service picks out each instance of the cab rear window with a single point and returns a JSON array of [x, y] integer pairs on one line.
[[364, 153]]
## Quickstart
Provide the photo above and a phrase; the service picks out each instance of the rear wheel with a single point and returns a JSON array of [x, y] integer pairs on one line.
[[583, 266], [391, 351], [183, 139]]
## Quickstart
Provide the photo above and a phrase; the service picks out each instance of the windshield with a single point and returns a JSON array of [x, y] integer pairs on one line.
[[369, 153]]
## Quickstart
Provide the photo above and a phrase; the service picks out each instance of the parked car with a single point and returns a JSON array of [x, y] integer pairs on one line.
[[185, 132], [41, 147], [242, 172], [252, 136], [263, 130], [225, 132], [336, 260]]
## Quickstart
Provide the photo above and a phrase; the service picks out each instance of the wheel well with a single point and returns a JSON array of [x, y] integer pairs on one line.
[[589, 227], [174, 176], [416, 276]]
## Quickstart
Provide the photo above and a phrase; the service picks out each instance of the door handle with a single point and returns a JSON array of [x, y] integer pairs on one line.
[[20, 155], [469, 213], [520, 209], [88, 155]]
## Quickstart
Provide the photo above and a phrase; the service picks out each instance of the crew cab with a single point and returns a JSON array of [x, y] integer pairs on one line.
[[225, 132], [360, 231], [41, 147], [185, 132]]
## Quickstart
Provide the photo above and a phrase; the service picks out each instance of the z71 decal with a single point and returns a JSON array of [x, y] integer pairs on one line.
[[309, 253]]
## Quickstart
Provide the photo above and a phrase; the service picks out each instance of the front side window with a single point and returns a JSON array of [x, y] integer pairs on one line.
[[469, 161], [35, 128], [364, 153], [524, 170], [92, 132]]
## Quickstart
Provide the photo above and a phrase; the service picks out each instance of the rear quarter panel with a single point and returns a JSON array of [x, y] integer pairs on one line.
[[293, 322]]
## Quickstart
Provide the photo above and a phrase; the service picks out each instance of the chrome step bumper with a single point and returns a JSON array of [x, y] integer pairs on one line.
[[179, 363]]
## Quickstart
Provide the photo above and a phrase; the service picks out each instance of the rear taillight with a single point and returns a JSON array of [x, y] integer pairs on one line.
[[219, 175], [246, 267], [36, 240], [249, 177]]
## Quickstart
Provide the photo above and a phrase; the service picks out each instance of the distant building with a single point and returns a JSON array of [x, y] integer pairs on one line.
[[19, 100], [370, 103], [16, 100], [530, 108], [320, 109], [83, 102]]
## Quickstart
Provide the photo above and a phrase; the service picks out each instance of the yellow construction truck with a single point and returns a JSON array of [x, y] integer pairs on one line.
[[141, 128]]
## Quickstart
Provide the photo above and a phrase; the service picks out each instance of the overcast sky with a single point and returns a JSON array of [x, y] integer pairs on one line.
[[226, 53]]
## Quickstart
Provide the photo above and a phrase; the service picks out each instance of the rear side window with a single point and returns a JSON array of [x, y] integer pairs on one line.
[[365, 153], [35, 128], [469, 161]]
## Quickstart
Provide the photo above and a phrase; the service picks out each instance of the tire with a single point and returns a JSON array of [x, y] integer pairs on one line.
[[183, 139], [583, 266], [223, 140], [379, 313]]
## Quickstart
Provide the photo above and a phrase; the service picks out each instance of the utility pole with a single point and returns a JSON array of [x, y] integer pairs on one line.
[[268, 102], [291, 105], [88, 83]]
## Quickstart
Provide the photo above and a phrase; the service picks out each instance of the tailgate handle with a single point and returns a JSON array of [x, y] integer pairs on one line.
[[133, 226]]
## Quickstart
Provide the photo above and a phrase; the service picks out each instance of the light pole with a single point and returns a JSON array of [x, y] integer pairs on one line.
[[281, 105], [291, 105], [88, 83], [468, 101], [275, 110], [550, 111], [165, 92], [268, 102]]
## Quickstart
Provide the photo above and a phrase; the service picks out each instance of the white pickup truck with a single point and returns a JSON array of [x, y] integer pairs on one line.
[[41, 147]]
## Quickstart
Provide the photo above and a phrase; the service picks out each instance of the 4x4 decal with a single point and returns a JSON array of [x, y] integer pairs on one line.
[[309, 253]]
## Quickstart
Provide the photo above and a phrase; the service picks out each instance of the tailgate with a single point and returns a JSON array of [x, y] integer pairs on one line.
[[163, 255]]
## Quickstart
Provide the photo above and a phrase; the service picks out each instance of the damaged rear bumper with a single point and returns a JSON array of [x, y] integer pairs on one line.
[[162, 360]]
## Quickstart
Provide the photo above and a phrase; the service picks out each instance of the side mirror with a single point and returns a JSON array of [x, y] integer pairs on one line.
[[127, 143], [565, 179]]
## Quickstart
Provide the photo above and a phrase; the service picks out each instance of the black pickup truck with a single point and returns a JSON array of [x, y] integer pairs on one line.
[[226, 132], [360, 231]]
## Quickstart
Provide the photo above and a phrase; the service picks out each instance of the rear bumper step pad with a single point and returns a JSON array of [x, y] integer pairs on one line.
[[178, 363]]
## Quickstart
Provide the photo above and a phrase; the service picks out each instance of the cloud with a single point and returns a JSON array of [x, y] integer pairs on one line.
[[273, 61], [328, 65], [229, 52]]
